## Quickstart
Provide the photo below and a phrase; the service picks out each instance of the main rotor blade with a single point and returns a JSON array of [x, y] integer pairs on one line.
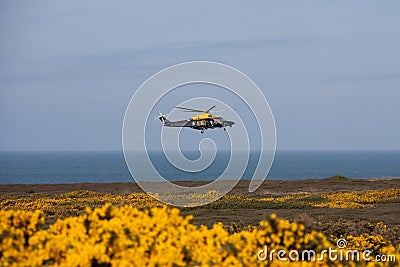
[[190, 109], [208, 110]]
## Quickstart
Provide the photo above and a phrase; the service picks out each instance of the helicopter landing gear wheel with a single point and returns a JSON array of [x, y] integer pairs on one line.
[[224, 129]]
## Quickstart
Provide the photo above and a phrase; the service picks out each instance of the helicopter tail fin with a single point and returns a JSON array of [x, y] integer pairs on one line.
[[163, 119]]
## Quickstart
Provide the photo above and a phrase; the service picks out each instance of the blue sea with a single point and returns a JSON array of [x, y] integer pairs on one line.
[[99, 167]]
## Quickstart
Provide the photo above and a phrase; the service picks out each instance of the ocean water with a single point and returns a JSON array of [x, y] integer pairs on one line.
[[78, 167]]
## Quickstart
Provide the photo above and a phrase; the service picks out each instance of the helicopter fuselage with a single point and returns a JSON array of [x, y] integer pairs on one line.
[[200, 122]]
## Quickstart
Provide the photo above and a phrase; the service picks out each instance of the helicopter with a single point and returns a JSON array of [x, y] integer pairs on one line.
[[200, 122]]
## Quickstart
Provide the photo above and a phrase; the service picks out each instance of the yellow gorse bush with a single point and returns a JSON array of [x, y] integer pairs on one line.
[[336, 200], [72, 204], [158, 236], [354, 200]]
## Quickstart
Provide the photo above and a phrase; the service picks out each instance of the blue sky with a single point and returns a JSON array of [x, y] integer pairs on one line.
[[330, 70]]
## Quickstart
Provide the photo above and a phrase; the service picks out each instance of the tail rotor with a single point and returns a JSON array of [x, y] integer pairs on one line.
[[162, 117]]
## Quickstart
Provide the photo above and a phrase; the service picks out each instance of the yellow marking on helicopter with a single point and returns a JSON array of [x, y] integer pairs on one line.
[[204, 117]]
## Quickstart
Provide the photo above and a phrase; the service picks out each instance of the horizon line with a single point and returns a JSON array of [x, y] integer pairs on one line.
[[153, 150]]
